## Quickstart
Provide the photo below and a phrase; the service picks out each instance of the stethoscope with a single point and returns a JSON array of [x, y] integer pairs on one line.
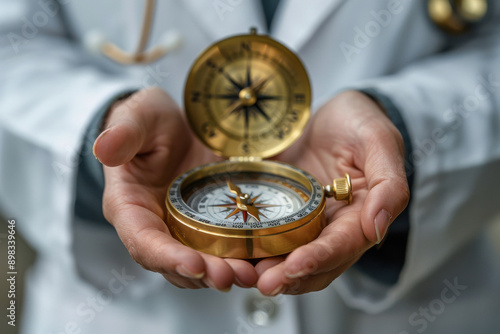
[[171, 40], [452, 16]]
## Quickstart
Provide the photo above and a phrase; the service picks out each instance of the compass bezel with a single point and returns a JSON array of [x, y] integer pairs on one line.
[[291, 126]]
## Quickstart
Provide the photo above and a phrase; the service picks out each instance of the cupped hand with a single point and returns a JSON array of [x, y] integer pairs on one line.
[[352, 134], [145, 145]]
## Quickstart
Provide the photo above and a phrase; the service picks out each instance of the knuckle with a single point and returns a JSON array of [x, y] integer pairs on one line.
[[398, 139], [130, 244], [401, 185], [147, 254], [401, 188], [405, 193]]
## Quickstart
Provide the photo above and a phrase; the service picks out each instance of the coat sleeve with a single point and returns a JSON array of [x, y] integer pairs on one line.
[[450, 103], [49, 90]]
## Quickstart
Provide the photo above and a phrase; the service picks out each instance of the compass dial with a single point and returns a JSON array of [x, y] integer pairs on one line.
[[273, 197], [248, 96]]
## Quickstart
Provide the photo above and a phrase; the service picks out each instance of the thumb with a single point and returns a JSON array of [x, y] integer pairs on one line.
[[132, 124], [119, 144], [123, 139], [388, 188], [385, 201]]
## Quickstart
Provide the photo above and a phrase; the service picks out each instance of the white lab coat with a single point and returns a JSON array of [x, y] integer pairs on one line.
[[51, 87]]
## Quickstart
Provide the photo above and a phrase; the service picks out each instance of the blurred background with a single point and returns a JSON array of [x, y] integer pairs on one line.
[[26, 256]]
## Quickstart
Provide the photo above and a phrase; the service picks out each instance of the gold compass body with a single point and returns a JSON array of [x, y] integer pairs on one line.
[[247, 98]]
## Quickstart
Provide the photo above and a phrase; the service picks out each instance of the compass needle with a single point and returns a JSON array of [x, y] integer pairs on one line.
[[233, 188], [254, 212], [233, 213]]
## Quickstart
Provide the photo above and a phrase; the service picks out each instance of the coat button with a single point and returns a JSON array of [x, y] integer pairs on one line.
[[261, 310]]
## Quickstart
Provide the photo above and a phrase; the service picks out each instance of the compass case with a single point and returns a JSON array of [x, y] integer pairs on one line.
[[287, 234]]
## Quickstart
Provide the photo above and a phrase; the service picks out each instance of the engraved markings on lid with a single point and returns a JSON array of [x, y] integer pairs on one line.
[[247, 96]]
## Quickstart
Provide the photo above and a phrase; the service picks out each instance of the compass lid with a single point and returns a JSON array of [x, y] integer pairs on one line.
[[247, 96]]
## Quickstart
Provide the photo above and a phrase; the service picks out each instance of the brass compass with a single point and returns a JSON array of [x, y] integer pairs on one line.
[[247, 98]]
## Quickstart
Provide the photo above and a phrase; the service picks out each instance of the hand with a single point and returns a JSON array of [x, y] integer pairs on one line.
[[349, 134], [146, 144]]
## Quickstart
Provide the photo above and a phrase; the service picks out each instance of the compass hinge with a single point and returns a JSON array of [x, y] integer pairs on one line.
[[243, 158]]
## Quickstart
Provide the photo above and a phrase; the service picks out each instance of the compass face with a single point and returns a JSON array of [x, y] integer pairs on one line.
[[213, 195], [274, 197], [248, 96]]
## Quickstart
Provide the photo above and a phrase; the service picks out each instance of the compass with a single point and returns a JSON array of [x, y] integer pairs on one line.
[[248, 98]]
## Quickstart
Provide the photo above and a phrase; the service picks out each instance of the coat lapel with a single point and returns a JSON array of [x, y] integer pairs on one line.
[[297, 20], [222, 18]]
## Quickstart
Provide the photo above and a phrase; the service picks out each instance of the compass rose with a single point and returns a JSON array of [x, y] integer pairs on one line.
[[244, 204]]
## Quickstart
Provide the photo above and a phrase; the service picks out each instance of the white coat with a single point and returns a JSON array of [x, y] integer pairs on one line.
[[84, 280]]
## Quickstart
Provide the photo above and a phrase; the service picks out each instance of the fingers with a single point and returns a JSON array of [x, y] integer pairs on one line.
[[149, 243], [219, 274], [339, 243], [265, 264], [184, 283], [245, 275], [272, 283], [147, 239]]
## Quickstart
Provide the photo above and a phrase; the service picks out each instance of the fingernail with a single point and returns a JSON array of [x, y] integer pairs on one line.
[[277, 291], [183, 271], [240, 283], [212, 286], [99, 138], [297, 274], [382, 220], [225, 290], [201, 284]]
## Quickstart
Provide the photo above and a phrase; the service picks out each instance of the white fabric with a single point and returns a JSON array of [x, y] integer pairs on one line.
[[51, 86]]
